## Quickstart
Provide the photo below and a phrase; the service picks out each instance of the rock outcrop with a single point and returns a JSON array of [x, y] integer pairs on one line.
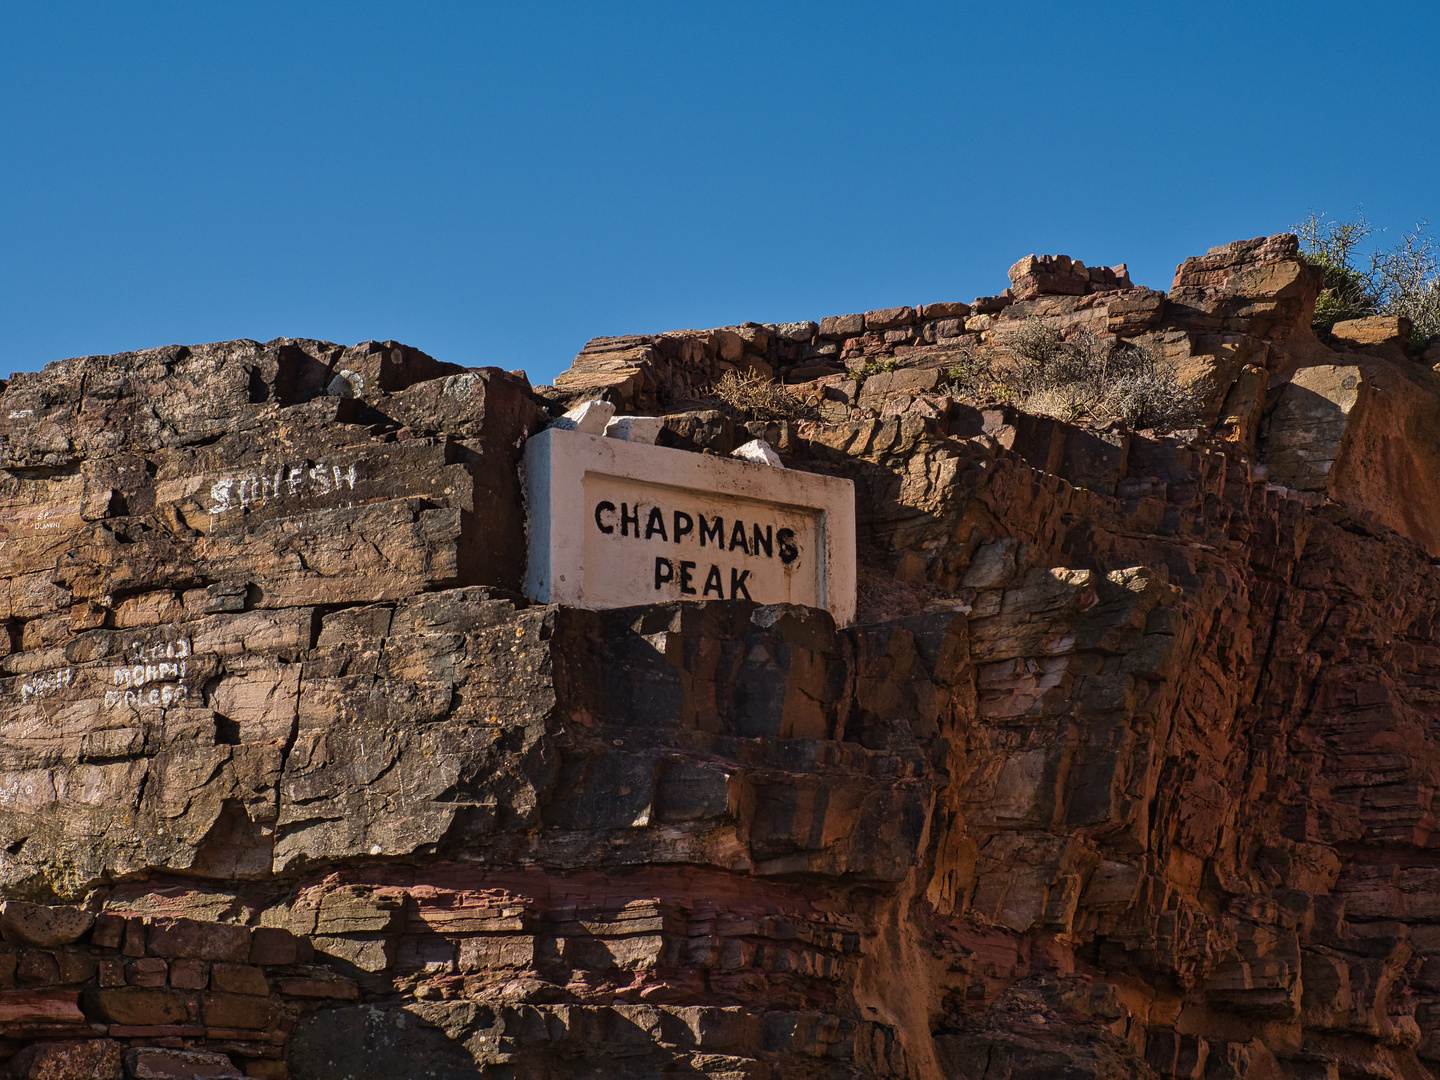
[[1126, 769]]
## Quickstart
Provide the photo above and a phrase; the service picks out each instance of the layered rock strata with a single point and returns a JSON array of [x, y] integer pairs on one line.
[[1125, 770]]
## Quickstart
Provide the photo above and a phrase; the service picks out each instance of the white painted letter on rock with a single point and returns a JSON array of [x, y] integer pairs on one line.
[[616, 523]]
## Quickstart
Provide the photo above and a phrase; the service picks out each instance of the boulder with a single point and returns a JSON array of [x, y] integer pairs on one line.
[[889, 318], [35, 924], [1260, 287], [842, 326], [1374, 330]]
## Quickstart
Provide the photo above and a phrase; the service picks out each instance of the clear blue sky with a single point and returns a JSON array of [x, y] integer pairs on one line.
[[497, 183]]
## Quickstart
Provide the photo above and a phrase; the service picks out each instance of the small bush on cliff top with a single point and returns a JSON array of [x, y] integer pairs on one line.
[[750, 396], [1400, 280], [975, 376], [1093, 377]]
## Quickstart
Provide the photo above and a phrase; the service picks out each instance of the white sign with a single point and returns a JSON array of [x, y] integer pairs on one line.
[[616, 523]]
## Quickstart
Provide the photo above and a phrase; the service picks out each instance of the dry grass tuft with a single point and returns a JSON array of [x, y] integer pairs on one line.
[[1085, 377], [750, 396]]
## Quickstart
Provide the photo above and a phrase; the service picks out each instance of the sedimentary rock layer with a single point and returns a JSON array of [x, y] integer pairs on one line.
[[1125, 770]]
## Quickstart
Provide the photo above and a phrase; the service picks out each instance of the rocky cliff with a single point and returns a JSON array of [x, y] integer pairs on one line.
[[1125, 770]]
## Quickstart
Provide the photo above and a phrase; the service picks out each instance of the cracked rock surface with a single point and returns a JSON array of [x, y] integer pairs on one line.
[[1126, 769]]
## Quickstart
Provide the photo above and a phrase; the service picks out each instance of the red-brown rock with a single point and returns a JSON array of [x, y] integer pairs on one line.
[[889, 318], [109, 932], [842, 326], [151, 971], [242, 1010], [39, 1007], [238, 979], [87, 1059], [1374, 330], [35, 924], [138, 1007], [272, 945], [195, 940], [952, 309], [189, 974], [328, 987]]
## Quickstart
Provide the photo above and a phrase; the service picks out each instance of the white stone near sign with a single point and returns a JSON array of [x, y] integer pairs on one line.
[[616, 523]]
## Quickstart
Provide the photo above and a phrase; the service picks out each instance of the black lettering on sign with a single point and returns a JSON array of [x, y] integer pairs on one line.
[[757, 541], [714, 581], [789, 550], [685, 586], [737, 584], [714, 531], [629, 517], [737, 537], [606, 507], [684, 524], [655, 523], [664, 571]]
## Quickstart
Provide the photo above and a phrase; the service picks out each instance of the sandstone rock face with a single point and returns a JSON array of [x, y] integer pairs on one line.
[[1260, 287], [1304, 434], [185, 524], [1125, 770]]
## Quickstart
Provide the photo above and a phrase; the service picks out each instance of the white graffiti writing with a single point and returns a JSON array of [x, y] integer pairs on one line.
[[43, 685], [163, 662], [151, 673], [134, 699], [141, 674], [28, 790], [141, 651], [233, 492]]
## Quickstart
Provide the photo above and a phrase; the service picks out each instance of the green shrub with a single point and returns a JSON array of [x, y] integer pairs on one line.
[[872, 367], [1400, 280], [1345, 291]]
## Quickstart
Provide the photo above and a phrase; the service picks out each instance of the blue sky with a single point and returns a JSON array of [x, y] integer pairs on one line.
[[497, 183]]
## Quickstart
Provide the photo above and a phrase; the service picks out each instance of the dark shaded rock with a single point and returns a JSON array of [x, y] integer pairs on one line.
[[34, 924]]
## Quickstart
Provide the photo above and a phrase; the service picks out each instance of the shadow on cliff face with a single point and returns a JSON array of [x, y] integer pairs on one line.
[[361, 1041], [1304, 433], [462, 1040], [236, 846]]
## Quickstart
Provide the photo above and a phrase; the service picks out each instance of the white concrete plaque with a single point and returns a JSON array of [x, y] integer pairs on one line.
[[616, 523]]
